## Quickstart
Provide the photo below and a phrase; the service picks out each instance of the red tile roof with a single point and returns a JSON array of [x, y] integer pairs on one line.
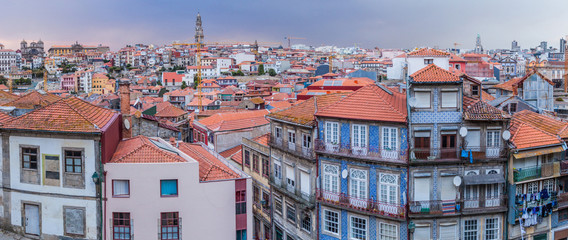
[[515, 82], [428, 52], [66, 115], [141, 149], [432, 74], [5, 117], [234, 120], [485, 96], [480, 110], [372, 102], [527, 136], [262, 139], [303, 113], [210, 168], [6, 97], [169, 110], [32, 100], [545, 123]]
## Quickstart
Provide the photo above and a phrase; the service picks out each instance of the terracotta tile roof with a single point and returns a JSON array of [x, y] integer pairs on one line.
[[257, 100], [514, 83], [231, 151], [303, 112], [485, 96], [372, 102], [170, 111], [234, 120], [456, 58], [66, 115], [141, 149], [32, 100], [542, 122], [433, 74], [6, 97], [428, 52], [210, 168], [362, 81], [480, 110], [5, 117], [468, 101], [280, 105], [262, 139], [527, 136]]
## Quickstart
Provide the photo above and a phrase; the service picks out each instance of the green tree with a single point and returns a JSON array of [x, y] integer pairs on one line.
[[162, 91], [261, 69], [240, 73], [196, 81], [271, 72], [159, 82], [183, 85]]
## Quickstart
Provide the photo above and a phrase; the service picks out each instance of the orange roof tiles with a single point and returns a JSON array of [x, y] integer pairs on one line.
[[166, 109], [66, 115], [372, 103], [428, 52], [303, 113], [6, 97], [545, 123], [485, 96], [141, 149], [234, 120], [5, 117], [527, 136], [433, 74], [480, 110], [32, 100], [514, 83], [262, 139], [210, 168]]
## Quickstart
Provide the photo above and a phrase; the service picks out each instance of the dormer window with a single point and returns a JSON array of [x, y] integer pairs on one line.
[[475, 90]]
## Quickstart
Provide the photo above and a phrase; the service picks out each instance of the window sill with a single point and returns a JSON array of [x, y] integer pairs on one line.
[[121, 196], [169, 196]]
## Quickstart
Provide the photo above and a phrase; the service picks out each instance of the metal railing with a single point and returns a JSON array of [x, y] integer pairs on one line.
[[296, 193], [435, 154], [365, 205], [364, 152], [487, 152], [490, 202], [291, 148], [449, 207], [544, 170]]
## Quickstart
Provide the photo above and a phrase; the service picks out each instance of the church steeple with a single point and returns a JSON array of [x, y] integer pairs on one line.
[[478, 47], [198, 30]]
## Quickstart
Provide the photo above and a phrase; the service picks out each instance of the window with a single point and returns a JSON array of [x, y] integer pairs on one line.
[[255, 163], [449, 99], [491, 228], [74, 221], [168, 188], [247, 158], [277, 170], [29, 158], [513, 107], [73, 161], [290, 212], [358, 228], [532, 187], [388, 189], [307, 223], [470, 229], [493, 138], [332, 132], [359, 134], [422, 99], [255, 194], [358, 180], [278, 132], [169, 224], [121, 226], [120, 188], [290, 177], [291, 136], [242, 234], [548, 185], [331, 178], [305, 184], [267, 232], [475, 90], [278, 204], [241, 202], [307, 141], [387, 231], [331, 221], [265, 166], [390, 136], [265, 200], [428, 61]]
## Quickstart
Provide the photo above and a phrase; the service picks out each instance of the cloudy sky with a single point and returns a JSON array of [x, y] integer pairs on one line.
[[367, 23]]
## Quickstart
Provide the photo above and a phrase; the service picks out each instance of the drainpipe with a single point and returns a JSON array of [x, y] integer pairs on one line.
[[408, 157], [100, 188]]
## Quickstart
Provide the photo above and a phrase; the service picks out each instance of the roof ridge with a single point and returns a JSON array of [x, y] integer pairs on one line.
[[203, 157]]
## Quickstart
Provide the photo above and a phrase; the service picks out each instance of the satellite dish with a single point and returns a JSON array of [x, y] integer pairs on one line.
[[126, 124], [457, 181], [506, 135], [344, 173], [412, 102], [463, 131]]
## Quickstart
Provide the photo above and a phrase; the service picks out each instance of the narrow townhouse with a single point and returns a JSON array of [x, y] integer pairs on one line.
[[457, 159], [362, 150], [294, 169], [537, 199], [52, 168], [174, 190], [256, 163]]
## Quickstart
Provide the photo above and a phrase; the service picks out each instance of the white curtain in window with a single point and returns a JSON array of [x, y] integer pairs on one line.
[[120, 187]]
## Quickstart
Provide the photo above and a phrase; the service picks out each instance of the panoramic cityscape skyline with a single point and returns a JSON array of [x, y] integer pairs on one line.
[[394, 25]]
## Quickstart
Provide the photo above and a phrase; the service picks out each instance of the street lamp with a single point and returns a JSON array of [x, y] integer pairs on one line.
[[96, 178]]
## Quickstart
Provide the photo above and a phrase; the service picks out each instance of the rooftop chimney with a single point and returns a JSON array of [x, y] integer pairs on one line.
[[124, 88]]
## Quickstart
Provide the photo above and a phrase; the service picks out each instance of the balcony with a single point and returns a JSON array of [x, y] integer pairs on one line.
[[552, 169], [291, 148], [306, 199], [369, 153], [485, 152], [478, 154], [364, 205], [453, 207], [475, 204]]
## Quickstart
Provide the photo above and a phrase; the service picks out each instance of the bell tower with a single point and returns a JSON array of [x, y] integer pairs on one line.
[[198, 30]]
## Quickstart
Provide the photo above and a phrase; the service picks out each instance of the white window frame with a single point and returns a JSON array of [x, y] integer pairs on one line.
[[332, 132], [277, 170], [325, 222], [381, 236], [278, 199], [359, 135], [387, 187], [358, 186], [278, 132], [291, 136], [473, 230], [306, 141], [351, 228], [486, 228], [493, 138], [389, 134]]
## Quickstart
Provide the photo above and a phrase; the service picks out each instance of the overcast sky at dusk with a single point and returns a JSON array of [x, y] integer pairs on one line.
[[370, 23]]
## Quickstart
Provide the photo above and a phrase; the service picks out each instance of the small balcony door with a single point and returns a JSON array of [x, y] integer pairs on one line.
[[449, 146], [422, 146], [359, 142], [358, 188], [390, 143]]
